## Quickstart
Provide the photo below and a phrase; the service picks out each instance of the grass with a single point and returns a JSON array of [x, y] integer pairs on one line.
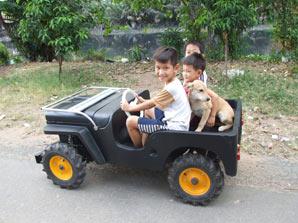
[[272, 94], [28, 87], [37, 84]]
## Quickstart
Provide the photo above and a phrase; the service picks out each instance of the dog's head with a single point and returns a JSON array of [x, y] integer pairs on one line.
[[198, 91]]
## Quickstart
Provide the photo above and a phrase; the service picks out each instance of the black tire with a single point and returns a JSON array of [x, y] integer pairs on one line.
[[197, 190], [70, 172]]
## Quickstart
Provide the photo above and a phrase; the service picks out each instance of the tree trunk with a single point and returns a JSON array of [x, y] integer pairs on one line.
[[1, 21], [284, 28], [60, 58], [225, 38], [210, 39]]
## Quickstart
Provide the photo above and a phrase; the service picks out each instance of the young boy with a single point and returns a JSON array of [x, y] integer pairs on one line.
[[196, 47], [169, 109], [193, 67]]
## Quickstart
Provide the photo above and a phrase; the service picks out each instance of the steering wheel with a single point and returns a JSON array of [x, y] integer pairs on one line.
[[134, 102]]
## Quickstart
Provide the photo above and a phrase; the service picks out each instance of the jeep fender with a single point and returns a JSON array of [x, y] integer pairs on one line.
[[83, 134]]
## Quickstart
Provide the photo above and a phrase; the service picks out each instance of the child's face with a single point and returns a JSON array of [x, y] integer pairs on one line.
[[190, 74], [166, 72], [191, 48]]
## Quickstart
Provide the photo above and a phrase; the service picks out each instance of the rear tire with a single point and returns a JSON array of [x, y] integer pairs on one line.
[[195, 179], [64, 166]]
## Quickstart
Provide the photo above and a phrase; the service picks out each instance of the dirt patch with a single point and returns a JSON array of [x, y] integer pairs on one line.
[[272, 136], [280, 69], [5, 70]]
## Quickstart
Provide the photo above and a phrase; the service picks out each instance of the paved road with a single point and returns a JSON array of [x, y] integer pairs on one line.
[[117, 194]]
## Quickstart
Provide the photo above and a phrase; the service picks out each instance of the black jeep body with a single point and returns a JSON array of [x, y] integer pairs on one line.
[[106, 140]]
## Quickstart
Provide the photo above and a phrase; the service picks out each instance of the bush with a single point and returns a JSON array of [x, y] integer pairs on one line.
[[95, 55], [4, 54], [17, 59], [295, 72], [172, 37], [215, 51], [255, 57], [136, 53]]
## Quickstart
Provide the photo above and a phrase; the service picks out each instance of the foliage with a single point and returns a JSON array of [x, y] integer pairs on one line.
[[4, 54], [215, 51], [283, 14], [220, 18], [17, 59], [229, 19], [59, 26], [195, 17], [49, 29], [234, 15], [136, 53], [238, 46], [95, 55], [172, 37], [125, 12], [13, 11], [295, 72], [286, 23]]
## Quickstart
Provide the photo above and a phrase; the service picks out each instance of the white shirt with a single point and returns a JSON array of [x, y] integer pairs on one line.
[[174, 103]]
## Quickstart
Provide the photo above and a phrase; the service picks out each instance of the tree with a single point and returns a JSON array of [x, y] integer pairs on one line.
[[53, 28], [283, 14], [229, 18], [225, 18], [11, 12], [60, 25]]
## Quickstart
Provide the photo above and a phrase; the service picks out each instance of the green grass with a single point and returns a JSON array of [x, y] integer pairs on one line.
[[270, 93], [37, 84]]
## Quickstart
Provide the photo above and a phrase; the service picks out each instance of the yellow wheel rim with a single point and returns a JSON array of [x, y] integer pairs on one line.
[[194, 181], [61, 167]]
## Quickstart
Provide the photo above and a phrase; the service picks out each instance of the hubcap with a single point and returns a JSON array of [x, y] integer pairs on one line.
[[61, 167], [194, 181]]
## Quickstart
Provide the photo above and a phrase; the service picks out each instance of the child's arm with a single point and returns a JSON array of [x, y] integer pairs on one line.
[[214, 98], [146, 104], [140, 99]]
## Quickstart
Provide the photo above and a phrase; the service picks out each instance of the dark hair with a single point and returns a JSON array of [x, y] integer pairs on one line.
[[165, 54], [196, 60], [196, 43]]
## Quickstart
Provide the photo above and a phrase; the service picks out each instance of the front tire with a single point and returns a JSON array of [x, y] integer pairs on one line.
[[64, 166], [195, 179]]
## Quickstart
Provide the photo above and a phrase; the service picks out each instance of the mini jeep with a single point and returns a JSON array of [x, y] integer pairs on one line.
[[92, 127]]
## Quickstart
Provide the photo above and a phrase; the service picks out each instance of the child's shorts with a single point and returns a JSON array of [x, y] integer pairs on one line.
[[147, 125]]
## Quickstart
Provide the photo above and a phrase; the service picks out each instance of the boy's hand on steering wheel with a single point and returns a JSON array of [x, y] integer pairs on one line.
[[125, 106], [140, 99]]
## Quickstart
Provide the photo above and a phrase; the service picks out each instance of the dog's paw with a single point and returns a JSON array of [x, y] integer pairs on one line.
[[221, 128], [224, 128], [199, 129]]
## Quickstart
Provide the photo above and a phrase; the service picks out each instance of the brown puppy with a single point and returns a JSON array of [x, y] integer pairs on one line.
[[201, 105]]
